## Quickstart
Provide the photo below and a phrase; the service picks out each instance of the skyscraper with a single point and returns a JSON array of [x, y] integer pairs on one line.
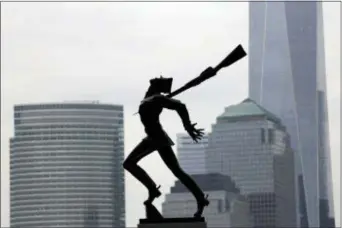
[[66, 166], [287, 77], [251, 145], [191, 155]]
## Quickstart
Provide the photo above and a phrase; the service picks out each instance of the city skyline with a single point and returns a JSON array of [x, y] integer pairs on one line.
[[108, 52]]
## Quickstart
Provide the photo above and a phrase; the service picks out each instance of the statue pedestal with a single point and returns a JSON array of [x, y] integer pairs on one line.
[[154, 219], [173, 223]]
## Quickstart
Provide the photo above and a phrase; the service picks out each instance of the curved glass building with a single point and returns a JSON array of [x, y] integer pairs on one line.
[[66, 166]]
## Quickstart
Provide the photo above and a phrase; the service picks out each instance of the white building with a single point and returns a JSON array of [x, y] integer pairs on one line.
[[66, 166], [192, 155], [227, 207]]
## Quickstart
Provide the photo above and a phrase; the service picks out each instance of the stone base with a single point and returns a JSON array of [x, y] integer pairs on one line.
[[173, 223]]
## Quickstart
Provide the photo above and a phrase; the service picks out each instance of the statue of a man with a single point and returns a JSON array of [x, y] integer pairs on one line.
[[157, 140]]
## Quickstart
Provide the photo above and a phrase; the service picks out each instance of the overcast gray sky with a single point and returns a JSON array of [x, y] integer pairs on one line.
[[53, 52]]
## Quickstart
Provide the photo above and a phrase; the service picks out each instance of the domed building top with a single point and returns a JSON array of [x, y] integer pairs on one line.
[[246, 108]]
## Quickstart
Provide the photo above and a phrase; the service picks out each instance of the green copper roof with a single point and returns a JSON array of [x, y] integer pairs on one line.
[[247, 108]]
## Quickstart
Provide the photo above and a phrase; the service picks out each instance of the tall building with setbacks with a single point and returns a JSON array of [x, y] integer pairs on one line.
[[287, 76], [251, 145]]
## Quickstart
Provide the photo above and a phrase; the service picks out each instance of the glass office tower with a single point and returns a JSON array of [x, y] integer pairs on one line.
[[287, 77], [66, 166], [251, 145]]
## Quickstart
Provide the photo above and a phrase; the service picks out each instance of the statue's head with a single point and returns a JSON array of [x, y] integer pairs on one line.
[[161, 85]]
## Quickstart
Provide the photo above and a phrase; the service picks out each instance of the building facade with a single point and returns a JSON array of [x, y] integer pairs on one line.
[[227, 207], [287, 76], [250, 144], [191, 155], [66, 166]]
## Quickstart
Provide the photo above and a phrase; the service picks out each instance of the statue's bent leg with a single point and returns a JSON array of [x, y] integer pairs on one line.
[[170, 159], [143, 149]]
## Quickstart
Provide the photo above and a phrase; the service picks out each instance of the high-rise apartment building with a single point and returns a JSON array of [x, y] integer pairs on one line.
[[191, 155], [287, 76], [251, 145], [66, 166], [227, 207]]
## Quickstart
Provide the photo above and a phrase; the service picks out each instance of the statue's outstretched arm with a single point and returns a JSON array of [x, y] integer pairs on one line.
[[177, 106]]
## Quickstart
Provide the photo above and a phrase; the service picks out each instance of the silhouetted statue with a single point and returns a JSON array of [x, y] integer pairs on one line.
[[158, 97], [158, 140]]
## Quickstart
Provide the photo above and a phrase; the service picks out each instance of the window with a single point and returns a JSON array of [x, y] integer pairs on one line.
[[220, 206], [262, 135], [271, 136], [227, 205]]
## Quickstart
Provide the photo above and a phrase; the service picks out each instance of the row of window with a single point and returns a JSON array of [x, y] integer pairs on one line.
[[58, 223], [63, 168], [62, 216], [114, 132], [60, 162], [33, 154], [66, 120], [46, 160], [80, 167], [68, 126], [118, 154], [71, 149], [235, 142], [56, 207], [194, 143], [53, 180], [61, 185], [69, 106], [67, 113], [61, 144], [60, 190], [232, 134], [70, 137], [262, 196], [41, 202], [30, 177], [61, 196], [44, 164]]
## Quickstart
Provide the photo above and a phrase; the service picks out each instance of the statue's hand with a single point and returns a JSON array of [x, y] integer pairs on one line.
[[195, 134]]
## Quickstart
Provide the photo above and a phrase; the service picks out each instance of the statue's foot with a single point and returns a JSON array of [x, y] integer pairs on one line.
[[200, 206], [152, 212], [152, 194]]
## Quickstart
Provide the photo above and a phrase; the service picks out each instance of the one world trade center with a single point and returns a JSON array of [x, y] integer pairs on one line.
[[287, 77]]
